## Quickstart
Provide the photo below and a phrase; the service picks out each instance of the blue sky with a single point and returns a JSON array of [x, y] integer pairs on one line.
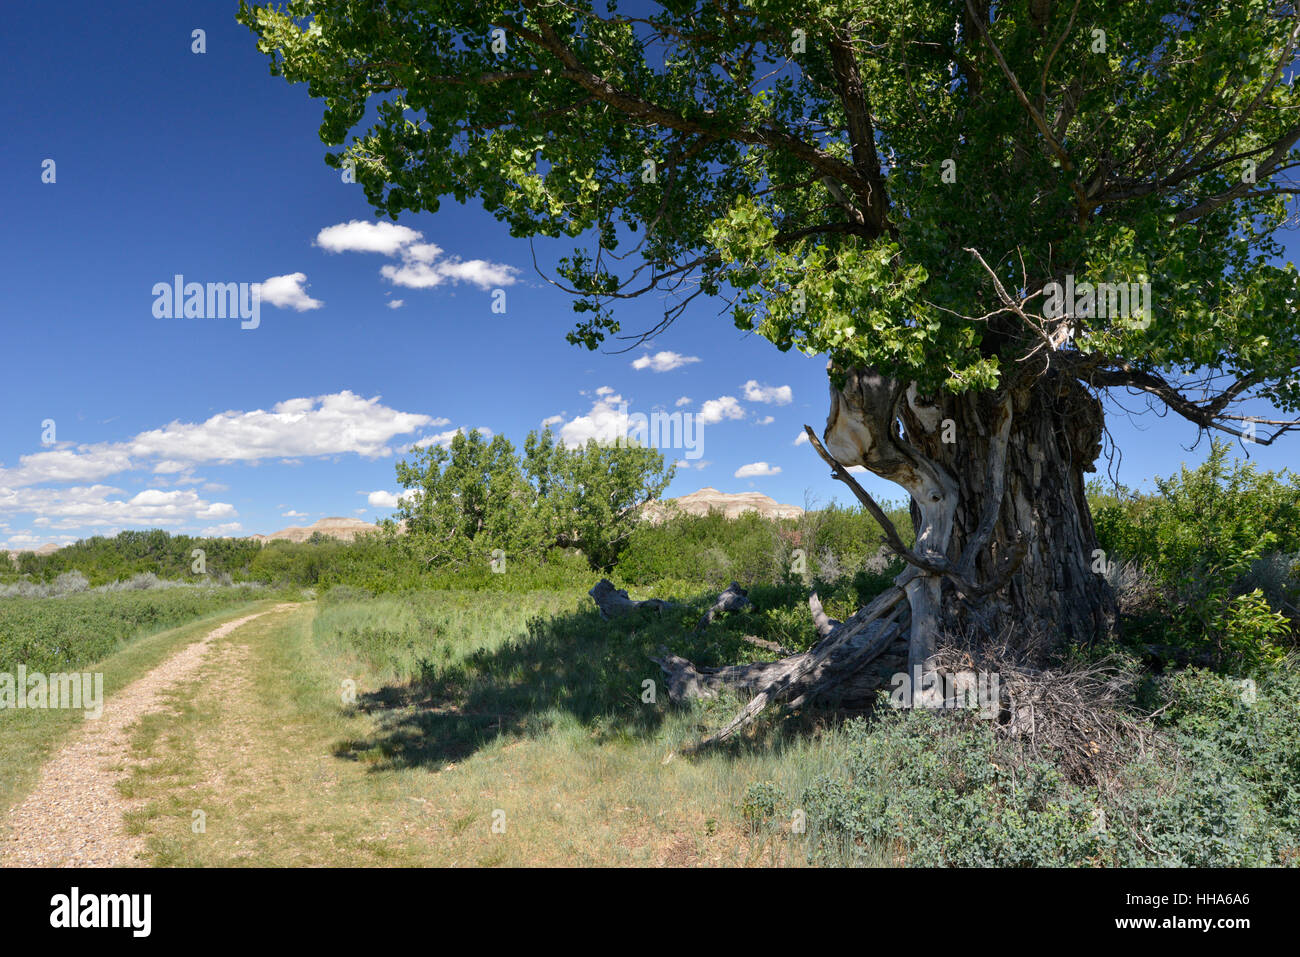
[[170, 162]]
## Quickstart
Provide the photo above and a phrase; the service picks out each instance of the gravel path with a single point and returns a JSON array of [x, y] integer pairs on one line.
[[73, 817]]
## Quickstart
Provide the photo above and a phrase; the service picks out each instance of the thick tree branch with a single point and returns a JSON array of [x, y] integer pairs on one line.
[[654, 114], [1049, 138], [862, 136]]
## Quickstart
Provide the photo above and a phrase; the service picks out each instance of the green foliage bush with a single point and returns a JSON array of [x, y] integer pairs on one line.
[[937, 788], [927, 786], [1202, 517], [710, 549], [834, 543], [1253, 725], [477, 495], [103, 560], [1216, 542]]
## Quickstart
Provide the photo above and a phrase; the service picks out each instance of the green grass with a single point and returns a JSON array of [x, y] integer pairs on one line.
[[528, 705], [57, 634], [396, 730], [29, 737]]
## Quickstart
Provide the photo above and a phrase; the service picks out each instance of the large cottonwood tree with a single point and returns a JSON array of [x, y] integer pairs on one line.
[[892, 183]]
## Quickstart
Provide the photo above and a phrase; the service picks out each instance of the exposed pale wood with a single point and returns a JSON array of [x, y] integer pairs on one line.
[[732, 599], [886, 633], [614, 602], [824, 624], [792, 678], [684, 681]]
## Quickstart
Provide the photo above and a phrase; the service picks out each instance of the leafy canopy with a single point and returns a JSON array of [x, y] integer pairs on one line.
[[799, 154], [475, 495]]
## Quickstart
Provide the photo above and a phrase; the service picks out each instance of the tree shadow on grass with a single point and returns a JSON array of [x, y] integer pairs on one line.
[[574, 663]]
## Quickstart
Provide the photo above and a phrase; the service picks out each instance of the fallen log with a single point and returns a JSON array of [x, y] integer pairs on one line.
[[732, 599], [614, 602], [766, 645], [878, 626], [852, 661], [838, 667]]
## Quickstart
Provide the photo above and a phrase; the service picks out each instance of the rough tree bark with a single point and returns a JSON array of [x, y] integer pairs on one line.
[[1004, 540], [987, 474]]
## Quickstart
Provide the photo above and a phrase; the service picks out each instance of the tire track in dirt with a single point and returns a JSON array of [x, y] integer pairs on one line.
[[74, 815]]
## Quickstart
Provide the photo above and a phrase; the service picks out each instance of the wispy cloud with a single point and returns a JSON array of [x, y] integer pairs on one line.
[[444, 438]]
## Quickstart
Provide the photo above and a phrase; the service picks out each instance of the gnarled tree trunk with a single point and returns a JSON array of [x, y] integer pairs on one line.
[[1004, 542], [964, 464]]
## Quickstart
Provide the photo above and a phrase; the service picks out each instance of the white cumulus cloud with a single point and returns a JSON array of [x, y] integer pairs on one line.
[[103, 505], [757, 470], [663, 361], [779, 394], [423, 265], [224, 530], [287, 292], [384, 499], [359, 236], [293, 430], [607, 421], [723, 407], [310, 426]]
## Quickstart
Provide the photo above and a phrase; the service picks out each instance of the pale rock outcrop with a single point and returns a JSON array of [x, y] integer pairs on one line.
[[732, 505]]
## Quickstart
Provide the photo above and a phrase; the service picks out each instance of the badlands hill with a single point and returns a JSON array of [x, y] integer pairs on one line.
[[730, 504], [45, 549], [333, 527]]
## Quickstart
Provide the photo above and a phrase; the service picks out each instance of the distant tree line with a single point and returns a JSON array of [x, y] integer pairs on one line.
[[1208, 563]]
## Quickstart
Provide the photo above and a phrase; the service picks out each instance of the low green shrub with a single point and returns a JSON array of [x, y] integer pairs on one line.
[[1220, 787]]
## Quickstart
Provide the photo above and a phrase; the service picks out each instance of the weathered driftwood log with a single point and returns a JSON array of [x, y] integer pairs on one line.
[[838, 667], [614, 602], [733, 599], [850, 646]]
